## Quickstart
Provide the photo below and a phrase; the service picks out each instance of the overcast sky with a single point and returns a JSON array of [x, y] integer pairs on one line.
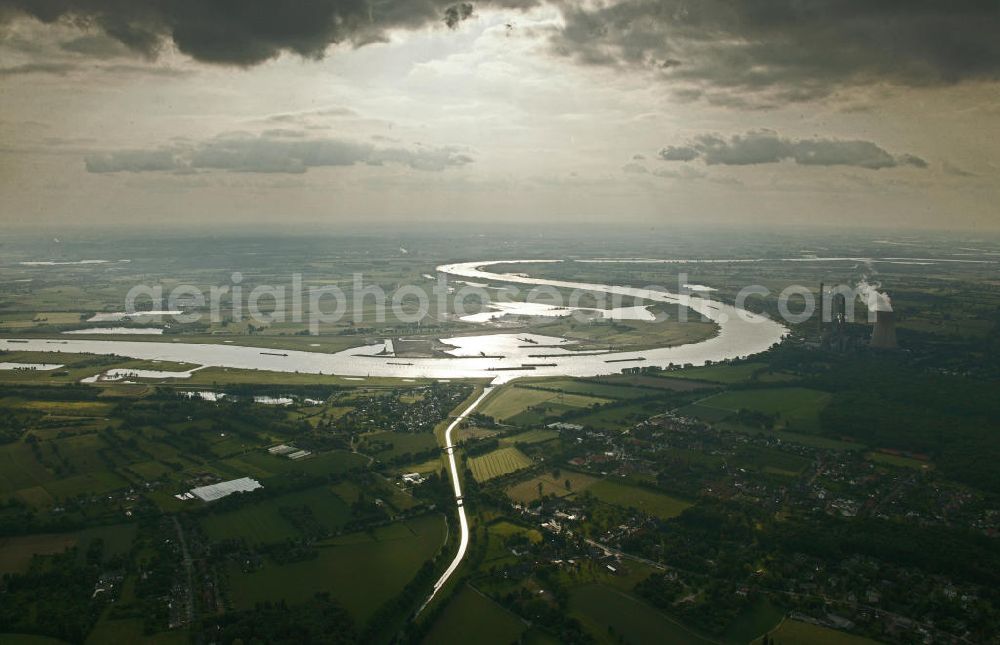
[[338, 113]]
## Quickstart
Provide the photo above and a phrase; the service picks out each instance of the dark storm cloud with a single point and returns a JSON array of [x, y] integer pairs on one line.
[[719, 51], [457, 13], [244, 32], [767, 146], [273, 153], [790, 50]]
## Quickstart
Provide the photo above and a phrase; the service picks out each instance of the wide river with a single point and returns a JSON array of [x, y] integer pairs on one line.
[[501, 357]]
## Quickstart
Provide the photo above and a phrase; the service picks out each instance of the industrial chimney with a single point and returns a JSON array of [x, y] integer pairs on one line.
[[839, 307], [884, 333], [819, 319]]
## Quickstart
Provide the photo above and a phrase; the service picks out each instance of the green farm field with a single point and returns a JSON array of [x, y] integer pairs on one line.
[[264, 522], [588, 387], [797, 408], [619, 418], [659, 504], [796, 632], [259, 463], [499, 533], [361, 571], [502, 461], [705, 413], [504, 529], [387, 445], [20, 469], [898, 461], [530, 436], [31, 479], [424, 467], [511, 401], [770, 460], [607, 611], [17, 552], [472, 617], [527, 491], [646, 384], [725, 374], [756, 619], [813, 441]]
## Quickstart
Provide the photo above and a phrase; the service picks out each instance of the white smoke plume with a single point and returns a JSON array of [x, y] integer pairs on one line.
[[871, 294]]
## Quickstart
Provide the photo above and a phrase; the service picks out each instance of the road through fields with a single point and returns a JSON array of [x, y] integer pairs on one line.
[[463, 543]]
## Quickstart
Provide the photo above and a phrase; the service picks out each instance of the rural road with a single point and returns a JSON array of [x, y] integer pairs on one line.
[[463, 543]]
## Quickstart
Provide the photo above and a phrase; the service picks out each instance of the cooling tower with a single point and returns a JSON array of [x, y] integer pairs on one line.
[[884, 333]]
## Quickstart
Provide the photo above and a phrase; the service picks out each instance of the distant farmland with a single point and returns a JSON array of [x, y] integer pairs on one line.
[[512, 401], [795, 632], [527, 491], [531, 436], [727, 374], [601, 607], [361, 571], [265, 522], [797, 408], [497, 463], [659, 504]]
